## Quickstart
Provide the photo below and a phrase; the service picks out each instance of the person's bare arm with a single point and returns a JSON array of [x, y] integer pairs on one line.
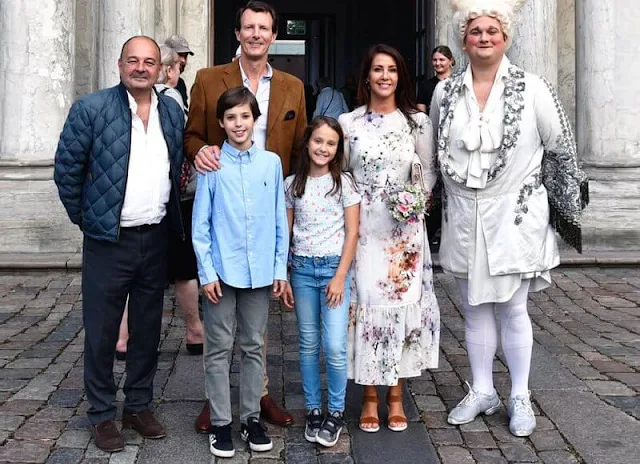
[[335, 288]]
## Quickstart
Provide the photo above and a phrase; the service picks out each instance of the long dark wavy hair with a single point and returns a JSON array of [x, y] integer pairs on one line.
[[404, 94], [304, 164]]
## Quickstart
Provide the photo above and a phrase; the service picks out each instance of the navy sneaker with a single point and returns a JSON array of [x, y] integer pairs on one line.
[[330, 431], [314, 422], [254, 434], [220, 443]]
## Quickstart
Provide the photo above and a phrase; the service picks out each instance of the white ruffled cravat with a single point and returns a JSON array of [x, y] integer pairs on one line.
[[481, 139]]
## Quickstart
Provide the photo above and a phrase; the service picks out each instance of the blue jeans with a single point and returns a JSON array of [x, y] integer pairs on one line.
[[309, 279]]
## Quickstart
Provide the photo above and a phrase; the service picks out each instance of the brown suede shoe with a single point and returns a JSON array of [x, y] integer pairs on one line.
[[203, 421], [107, 436], [143, 422], [272, 413]]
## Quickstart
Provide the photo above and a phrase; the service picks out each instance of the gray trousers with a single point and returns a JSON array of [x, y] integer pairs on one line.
[[248, 309]]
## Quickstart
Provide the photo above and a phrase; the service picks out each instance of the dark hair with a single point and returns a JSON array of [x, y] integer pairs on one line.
[[323, 82], [446, 51], [404, 94], [237, 96], [258, 7], [124, 45], [304, 165]]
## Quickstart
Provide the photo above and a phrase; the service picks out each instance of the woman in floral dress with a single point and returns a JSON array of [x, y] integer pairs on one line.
[[394, 324]]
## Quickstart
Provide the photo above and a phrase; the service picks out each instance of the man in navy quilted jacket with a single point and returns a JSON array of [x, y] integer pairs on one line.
[[117, 168]]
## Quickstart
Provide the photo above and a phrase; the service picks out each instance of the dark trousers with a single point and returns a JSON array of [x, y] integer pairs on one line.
[[136, 266]]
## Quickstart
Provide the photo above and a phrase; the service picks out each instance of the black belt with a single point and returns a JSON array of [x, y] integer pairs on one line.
[[142, 228]]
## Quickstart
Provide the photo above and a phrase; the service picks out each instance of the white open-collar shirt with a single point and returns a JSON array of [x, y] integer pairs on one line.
[[148, 184], [262, 95]]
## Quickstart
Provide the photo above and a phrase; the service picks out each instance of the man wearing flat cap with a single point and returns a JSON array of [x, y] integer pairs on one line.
[[181, 46]]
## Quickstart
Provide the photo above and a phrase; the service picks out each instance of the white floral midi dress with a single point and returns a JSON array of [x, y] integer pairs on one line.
[[394, 319]]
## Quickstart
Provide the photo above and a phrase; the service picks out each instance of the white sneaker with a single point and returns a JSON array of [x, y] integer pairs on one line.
[[472, 405], [522, 421]]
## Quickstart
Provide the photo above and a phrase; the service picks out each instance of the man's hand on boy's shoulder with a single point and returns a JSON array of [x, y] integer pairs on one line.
[[213, 291], [207, 159]]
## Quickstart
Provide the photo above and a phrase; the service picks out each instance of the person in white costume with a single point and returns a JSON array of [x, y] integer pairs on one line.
[[508, 160]]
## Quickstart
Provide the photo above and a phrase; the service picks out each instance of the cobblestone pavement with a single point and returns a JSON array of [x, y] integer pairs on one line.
[[585, 382]]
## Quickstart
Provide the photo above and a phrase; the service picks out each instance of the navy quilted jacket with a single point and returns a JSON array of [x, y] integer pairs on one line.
[[92, 160]]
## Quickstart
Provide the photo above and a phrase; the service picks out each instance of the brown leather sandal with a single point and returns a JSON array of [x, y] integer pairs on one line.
[[398, 419], [369, 420]]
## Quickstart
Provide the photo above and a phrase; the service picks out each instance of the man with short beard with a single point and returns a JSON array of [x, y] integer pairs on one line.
[[117, 169]]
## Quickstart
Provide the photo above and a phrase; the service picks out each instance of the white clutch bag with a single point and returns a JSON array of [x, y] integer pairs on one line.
[[417, 178]]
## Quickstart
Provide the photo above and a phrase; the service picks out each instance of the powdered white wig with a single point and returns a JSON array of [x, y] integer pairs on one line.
[[505, 11]]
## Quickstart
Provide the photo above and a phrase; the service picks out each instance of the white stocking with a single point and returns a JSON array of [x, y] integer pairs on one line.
[[481, 335], [517, 338]]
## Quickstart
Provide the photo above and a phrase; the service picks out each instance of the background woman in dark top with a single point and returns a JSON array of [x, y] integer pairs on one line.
[[442, 62]]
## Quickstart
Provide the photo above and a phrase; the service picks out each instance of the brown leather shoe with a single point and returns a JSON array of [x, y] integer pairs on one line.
[[143, 422], [272, 413], [203, 421], [107, 436]]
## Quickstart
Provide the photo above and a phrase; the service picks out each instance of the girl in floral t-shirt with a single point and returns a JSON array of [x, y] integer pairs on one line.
[[323, 207]]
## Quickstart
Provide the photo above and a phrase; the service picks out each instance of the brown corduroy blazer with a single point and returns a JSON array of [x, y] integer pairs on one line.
[[286, 120]]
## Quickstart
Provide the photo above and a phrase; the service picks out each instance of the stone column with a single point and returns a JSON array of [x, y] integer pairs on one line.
[[447, 33], [567, 57], [37, 76], [606, 84], [37, 62], [166, 19], [86, 42], [194, 25], [534, 45], [119, 20], [535, 41], [607, 116]]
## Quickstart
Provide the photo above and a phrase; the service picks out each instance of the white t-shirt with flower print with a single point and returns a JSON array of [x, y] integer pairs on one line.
[[318, 218]]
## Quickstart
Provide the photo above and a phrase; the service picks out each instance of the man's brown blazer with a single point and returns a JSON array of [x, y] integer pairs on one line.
[[286, 120]]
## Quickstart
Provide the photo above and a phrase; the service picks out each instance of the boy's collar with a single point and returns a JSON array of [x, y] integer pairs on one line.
[[235, 153]]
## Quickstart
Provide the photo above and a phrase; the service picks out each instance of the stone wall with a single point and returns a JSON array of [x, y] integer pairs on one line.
[[539, 45], [101, 29], [37, 63], [607, 115], [51, 53], [567, 56]]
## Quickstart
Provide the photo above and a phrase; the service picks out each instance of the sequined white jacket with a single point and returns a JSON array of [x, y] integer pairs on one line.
[[494, 199]]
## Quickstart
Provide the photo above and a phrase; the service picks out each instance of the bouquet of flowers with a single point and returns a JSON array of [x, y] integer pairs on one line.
[[407, 204]]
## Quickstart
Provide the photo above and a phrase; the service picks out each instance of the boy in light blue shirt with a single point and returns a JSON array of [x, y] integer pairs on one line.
[[241, 241]]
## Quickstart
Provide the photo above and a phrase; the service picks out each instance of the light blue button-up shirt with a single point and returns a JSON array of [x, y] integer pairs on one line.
[[240, 230], [331, 103]]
